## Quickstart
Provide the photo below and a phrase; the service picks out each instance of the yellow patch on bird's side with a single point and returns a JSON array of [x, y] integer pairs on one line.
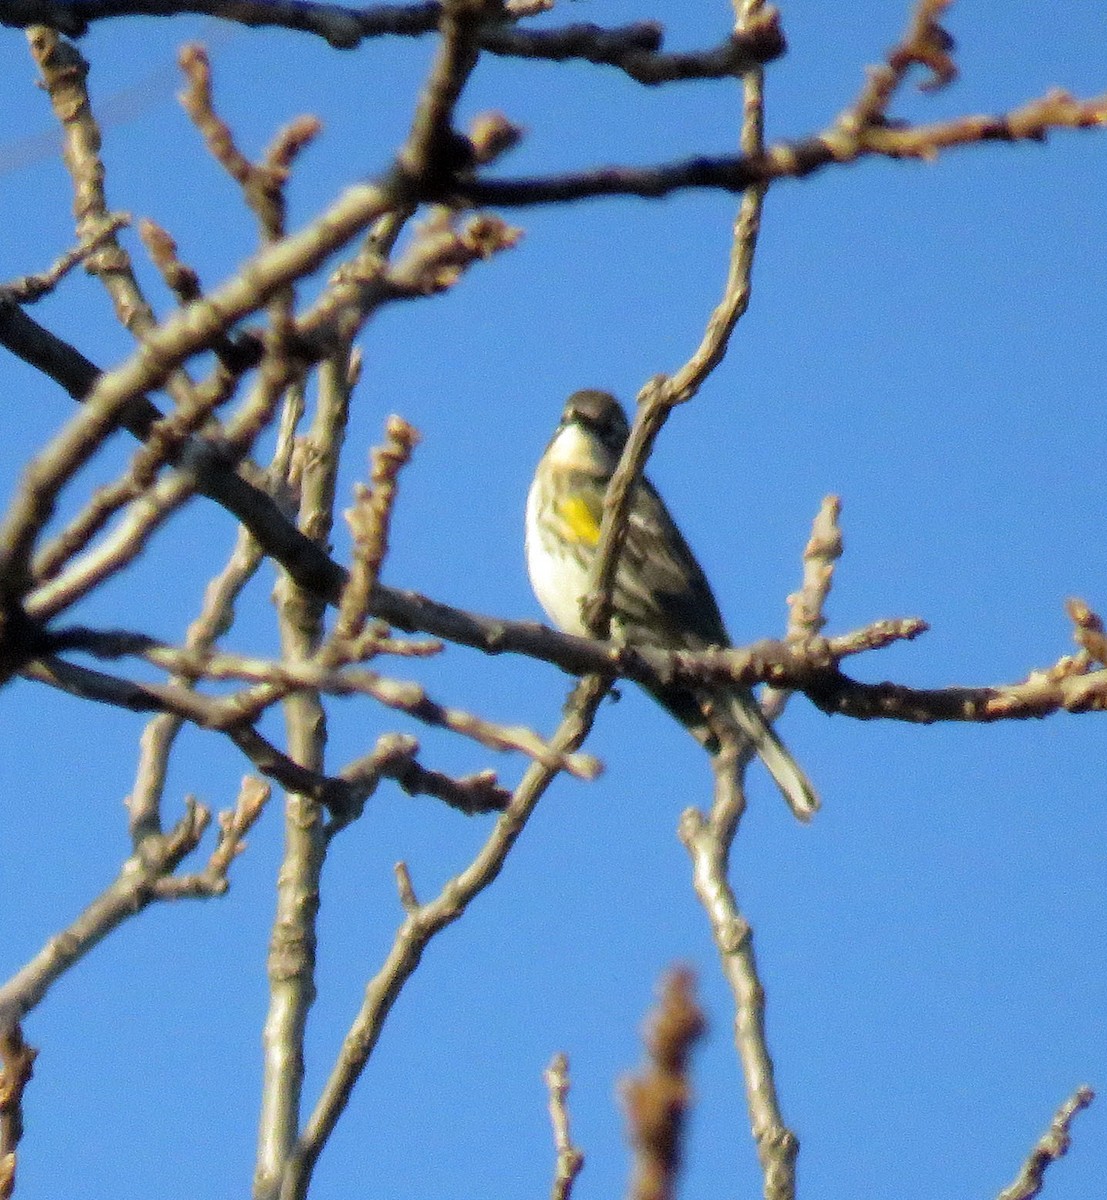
[[580, 519]]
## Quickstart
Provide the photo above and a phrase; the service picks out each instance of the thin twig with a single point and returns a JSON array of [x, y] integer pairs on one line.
[[30, 288], [1051, 1146], [370, 520], [144, 802], [234, 824], [1055, 110], [570, 1160], [806, 607], [777, 1146]]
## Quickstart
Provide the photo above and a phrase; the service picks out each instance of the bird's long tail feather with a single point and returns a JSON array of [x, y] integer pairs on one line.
[[786, 772]]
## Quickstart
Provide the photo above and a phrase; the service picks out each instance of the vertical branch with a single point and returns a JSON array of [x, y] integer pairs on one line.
[[291, 963], [570, 1160], [736, 294], [708, 841], [662, 393], [805, 607]]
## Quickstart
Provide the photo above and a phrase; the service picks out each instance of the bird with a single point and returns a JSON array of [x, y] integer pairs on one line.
[[661, 596]]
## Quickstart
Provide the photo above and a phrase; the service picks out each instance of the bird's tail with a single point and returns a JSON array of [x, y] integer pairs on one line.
[[788, 775]]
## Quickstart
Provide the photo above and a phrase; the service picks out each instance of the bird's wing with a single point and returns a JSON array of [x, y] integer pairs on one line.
[[661, 592]]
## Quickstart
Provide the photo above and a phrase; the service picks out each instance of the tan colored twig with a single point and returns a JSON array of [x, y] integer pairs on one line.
[[403, 695], [180, 278], [262, 183], [658, 1100], [370, 519], [686, 382], [64, 72], [234, 824], [405, 889], [708, 840], [443, 248], [17, 1061], [570, 1159], [1089, 632], [196, 99], [30, 288], [441, 251], [924, 43], [394, 757], [184, 282], [492, 134], [806, 607], [820, 556], [661, 393], [143, 804], [1051, 1146]]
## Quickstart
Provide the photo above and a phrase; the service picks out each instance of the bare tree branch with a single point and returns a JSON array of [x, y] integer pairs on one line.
[[1051, 1146], [1055, 110], [635, 49], [708, 841], [570, 1161]]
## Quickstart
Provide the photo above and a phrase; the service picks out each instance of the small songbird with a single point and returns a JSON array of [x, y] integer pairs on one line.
[[661, 596]]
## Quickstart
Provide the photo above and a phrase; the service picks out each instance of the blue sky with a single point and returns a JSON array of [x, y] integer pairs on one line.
[[924, 341]]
